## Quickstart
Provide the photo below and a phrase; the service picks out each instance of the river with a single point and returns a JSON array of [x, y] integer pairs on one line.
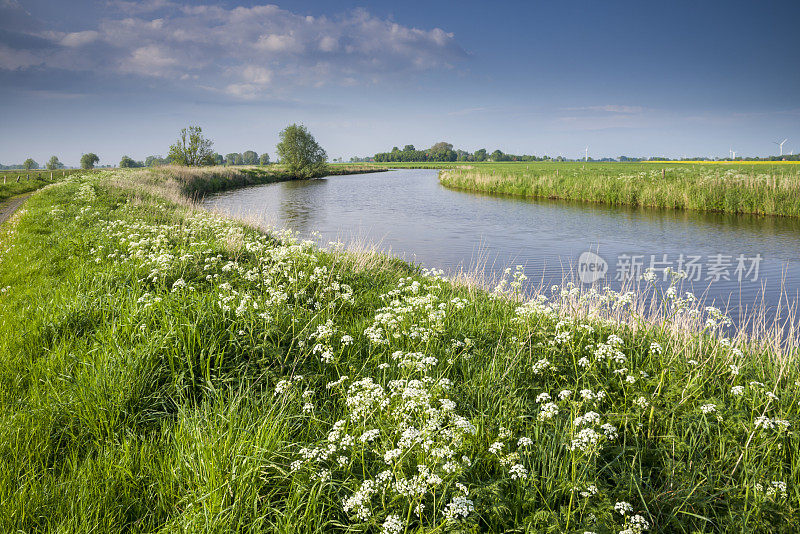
[[735, 261]]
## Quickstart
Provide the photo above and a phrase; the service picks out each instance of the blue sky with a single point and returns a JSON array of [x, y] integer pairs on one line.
[[674, 78]]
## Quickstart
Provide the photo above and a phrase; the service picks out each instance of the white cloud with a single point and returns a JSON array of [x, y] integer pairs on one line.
[[149, 60], [242, 51], [278, 43], [328, 43], [257, 75], [79, 38]]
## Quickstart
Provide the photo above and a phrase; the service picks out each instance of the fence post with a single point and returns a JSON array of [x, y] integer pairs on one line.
[[663, 173]]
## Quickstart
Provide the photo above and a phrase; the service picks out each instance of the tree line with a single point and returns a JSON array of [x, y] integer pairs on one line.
[[444, 151], [248, 157]]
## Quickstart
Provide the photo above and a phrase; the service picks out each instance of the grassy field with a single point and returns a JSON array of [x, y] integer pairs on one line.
[[28, 181], [763, 188], [166, 370]]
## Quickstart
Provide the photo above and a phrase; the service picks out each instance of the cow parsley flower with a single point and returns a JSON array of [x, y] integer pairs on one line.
[[623, 507], [708, 408], [392, 525], [518, 471], [459, 506], [548, 411]]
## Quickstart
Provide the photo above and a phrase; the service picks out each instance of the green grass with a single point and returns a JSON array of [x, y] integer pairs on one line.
[[28, 181], [165, 370], [763, 189]]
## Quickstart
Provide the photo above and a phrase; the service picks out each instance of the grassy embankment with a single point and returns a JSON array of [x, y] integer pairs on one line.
[[194, 182], [763, 189], [166, 370], [197, 182]]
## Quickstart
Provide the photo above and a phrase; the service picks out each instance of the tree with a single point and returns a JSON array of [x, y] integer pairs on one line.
[[442, 151], [191, 149], [54, 164], [154, 161], [409, 148], [234, 158], [88, 160], [30, 164], [128, 163], [264, 159], [497, 155], [301, 153], [480, 155], [441, 146], [218, 159], [250, 158]]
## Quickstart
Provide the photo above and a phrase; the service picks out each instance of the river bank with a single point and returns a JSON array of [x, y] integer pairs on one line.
[[740, 189], [165, 369]]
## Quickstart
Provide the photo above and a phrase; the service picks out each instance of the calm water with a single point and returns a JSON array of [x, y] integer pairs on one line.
[[409, 214]]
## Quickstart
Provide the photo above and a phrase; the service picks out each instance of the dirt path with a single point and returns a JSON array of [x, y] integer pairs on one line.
[[11, 205]]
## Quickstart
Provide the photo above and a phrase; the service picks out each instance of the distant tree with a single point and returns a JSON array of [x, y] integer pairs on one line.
[[234, 158], [154, 161], [218, 159], [250, 158], [129, 163], [497, 155], [442, 151], [409, 148], [30, 164], [54, 164], [264, 159], [441, 146], [88, 160], [191, 149], [301, 153], [463, 155]]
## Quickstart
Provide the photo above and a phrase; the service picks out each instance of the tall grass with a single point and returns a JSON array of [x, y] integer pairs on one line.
[[196, 182], [166, 370], [756, 189]]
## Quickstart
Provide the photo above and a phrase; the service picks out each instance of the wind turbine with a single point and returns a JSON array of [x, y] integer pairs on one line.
[[586, 156], [780, 144]]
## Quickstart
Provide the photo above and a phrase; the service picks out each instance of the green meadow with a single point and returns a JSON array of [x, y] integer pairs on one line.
[[19, 181], [163, 369]]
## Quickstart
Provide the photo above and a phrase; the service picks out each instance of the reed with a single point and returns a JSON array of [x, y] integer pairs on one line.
[[754, 189]]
